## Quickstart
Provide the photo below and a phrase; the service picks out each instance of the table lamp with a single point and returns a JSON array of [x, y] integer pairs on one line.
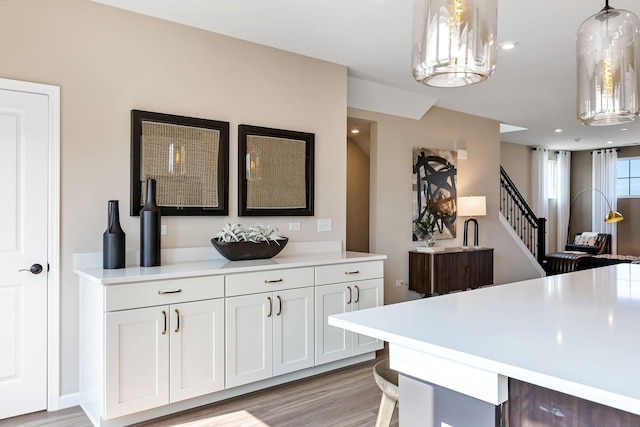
[[471, 206]]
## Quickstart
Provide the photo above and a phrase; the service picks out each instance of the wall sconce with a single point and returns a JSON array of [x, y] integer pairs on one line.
[[471, 206]]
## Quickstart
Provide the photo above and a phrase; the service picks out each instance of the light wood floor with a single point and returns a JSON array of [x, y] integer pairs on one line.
[[347, 397]]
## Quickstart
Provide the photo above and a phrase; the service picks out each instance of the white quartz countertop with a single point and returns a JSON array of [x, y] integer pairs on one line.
[[577, 333], [216, 266]]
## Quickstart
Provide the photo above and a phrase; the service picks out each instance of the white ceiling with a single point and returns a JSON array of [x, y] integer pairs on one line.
[[533, 86]]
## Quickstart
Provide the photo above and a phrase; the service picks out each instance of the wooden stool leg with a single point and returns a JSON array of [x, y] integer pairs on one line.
[[385, 412]]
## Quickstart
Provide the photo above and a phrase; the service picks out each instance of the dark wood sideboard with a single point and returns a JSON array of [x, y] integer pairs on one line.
[[454, 269]]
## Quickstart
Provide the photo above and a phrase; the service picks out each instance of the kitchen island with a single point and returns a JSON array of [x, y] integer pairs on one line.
[[566, 336]]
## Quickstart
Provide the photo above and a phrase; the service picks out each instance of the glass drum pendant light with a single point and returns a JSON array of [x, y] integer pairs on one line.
[[608, 55], [454, 41]]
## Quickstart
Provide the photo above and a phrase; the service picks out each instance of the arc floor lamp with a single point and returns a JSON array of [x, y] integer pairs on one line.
[[612, 216]]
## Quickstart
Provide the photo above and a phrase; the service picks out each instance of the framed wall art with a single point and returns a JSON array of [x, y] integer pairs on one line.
[[189, 159], [434, 194], [275, 172]]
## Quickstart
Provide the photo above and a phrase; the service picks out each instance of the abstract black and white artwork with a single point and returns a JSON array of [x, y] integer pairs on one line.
[[434, 193]]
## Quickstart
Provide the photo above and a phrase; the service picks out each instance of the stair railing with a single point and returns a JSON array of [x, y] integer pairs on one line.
[[524, 222]]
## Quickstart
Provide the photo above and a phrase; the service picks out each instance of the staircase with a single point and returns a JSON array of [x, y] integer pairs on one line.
[[521, 218]]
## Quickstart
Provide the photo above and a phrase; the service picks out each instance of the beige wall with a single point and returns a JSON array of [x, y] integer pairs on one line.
[[516, 161], [392, 143], [107, 62], [357, 238], [580, 179]]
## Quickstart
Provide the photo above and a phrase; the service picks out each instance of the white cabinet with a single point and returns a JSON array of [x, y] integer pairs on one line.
[[196, 351], [137, 360], [151, 345], [360, 286], [153, 355], [268, 333]]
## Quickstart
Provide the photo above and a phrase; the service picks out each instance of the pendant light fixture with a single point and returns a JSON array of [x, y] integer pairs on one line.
[[608, 60], [454, 41]]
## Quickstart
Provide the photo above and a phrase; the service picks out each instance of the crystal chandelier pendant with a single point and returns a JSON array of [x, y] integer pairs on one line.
[[454, 41], [608, 55]]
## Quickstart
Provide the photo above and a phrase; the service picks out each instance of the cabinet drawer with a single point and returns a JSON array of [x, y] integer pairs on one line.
[[268, 281], [348, 272], [159, 292]]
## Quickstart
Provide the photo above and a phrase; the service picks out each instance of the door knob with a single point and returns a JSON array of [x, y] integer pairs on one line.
[[35, 269]]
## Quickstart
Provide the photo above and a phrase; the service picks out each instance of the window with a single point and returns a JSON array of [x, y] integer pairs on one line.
[[628, 177]]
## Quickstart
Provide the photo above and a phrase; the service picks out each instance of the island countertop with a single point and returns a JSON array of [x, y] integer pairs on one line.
[[575, 333]]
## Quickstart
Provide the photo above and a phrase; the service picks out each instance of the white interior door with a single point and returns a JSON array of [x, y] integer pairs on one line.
[[24, 176]]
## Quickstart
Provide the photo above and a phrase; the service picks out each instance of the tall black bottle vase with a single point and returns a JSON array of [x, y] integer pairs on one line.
[[113, 239], [150, 228]]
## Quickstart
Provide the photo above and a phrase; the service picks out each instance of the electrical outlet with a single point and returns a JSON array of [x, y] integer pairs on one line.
[[294, 226], [163, 230], [324, 224], [399, 282]]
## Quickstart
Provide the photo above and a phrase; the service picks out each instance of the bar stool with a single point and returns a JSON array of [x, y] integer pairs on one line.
[[387, 380]]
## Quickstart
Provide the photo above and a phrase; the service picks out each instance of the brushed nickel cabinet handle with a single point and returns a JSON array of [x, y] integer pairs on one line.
[[270, 307], [273, 281], [178, 322], [350, 295], [169, 292], [164, 314], [352, 272], [279, 306], [357, 293]]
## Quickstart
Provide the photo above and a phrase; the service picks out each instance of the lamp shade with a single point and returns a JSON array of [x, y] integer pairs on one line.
[[613, 216], [608, 61], [454, 41], [472, 206]]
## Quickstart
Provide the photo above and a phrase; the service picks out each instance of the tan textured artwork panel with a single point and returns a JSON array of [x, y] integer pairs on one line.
[[275, 173], [180, 159]]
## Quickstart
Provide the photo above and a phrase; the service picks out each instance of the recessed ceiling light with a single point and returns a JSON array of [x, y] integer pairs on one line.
[[623, 129], [557, 130], [609, 142], [355, 131], [508, 45]]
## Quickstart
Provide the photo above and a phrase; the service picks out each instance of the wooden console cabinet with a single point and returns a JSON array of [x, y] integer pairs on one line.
[[454, 269]]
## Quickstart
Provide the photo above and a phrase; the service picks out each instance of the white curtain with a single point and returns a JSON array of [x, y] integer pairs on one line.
[[604, 179], [539, 185], [563, 165]]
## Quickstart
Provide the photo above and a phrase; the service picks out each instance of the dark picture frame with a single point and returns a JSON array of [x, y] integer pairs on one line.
[[275, 172], [189, 159]]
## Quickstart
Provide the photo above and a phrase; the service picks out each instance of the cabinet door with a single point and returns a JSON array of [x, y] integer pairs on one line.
[[136, 360], [420, 272], [249, 352], [197, 348], [480, 268], [293, 330], [332, 343], [368, 294]]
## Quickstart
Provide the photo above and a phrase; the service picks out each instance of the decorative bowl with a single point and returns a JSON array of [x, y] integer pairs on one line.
[[238, 251]]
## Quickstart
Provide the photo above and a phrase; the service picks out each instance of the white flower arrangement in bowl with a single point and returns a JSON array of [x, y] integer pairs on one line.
[[236, 243]]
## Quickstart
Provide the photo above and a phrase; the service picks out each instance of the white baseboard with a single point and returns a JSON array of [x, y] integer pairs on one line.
[[69, 400]]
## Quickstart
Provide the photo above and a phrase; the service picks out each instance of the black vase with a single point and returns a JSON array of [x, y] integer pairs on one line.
[[150, 229], [113, 240]]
